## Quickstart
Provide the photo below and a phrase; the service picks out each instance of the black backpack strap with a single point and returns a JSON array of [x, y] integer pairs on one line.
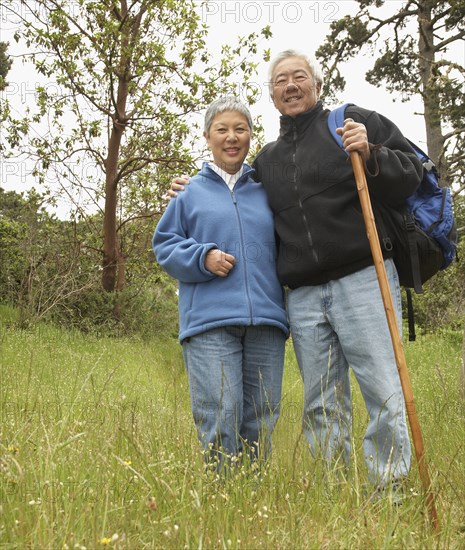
[[411, 316], [413, 251], [383, 234]]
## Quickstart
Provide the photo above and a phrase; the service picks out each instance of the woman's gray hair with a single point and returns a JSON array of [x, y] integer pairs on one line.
[[312, 63], [226, 103]]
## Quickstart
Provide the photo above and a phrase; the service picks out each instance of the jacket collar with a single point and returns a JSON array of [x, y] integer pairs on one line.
[[299, 122], [246, 171]]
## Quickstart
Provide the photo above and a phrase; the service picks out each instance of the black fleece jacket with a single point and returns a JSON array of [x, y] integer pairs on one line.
[[311, 189]]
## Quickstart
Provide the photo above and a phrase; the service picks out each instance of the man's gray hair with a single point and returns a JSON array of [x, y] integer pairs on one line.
[[312, 63], [226, 103]]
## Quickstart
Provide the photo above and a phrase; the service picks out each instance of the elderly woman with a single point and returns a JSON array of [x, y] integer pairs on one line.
[[217, 238]]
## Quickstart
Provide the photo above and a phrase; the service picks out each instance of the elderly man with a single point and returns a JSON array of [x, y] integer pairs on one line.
[[324, 260]]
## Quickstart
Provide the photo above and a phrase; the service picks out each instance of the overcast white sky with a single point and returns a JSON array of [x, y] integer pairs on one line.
[[301, 25]]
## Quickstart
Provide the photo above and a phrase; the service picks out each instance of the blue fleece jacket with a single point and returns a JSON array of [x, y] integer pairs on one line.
[[208, 215]]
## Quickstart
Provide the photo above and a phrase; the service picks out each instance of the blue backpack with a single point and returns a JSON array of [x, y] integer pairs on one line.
[[422, 233]]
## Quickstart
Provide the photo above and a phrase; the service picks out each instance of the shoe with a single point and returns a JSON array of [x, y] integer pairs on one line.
[[393, 492]]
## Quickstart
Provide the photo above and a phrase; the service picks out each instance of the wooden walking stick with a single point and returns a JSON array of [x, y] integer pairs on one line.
[[401, 362]]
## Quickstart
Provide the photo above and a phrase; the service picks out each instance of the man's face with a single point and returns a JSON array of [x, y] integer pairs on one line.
[[294, 90]]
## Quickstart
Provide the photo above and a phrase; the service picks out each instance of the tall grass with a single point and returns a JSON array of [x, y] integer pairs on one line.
[[98, 449]]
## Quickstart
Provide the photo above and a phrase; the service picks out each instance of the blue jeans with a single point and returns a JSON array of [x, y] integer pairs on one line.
[[235, 378], [342, 325]]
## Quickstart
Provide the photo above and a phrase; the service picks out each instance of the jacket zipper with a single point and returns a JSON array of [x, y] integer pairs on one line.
[[304, 216], [239, 221]]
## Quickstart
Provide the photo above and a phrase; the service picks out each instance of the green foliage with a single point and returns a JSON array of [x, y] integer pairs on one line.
[[24, 225], [141, 313], [12, 263], [5, 64], [395, 66], [49, 272]]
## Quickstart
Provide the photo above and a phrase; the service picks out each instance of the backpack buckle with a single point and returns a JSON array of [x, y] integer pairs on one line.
[[387, 243], [409, 223], [429, 165]]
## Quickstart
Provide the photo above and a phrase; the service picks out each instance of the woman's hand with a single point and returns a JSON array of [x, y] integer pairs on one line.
[[219, 263]]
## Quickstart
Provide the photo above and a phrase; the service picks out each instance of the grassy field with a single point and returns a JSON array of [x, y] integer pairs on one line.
[[98, 450]]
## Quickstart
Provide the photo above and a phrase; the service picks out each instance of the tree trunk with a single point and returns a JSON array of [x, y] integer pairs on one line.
[[110, 244], [430, 90], [110, 251]]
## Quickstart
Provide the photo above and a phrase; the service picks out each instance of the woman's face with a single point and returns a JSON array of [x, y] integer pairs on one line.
[[229, 140]]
